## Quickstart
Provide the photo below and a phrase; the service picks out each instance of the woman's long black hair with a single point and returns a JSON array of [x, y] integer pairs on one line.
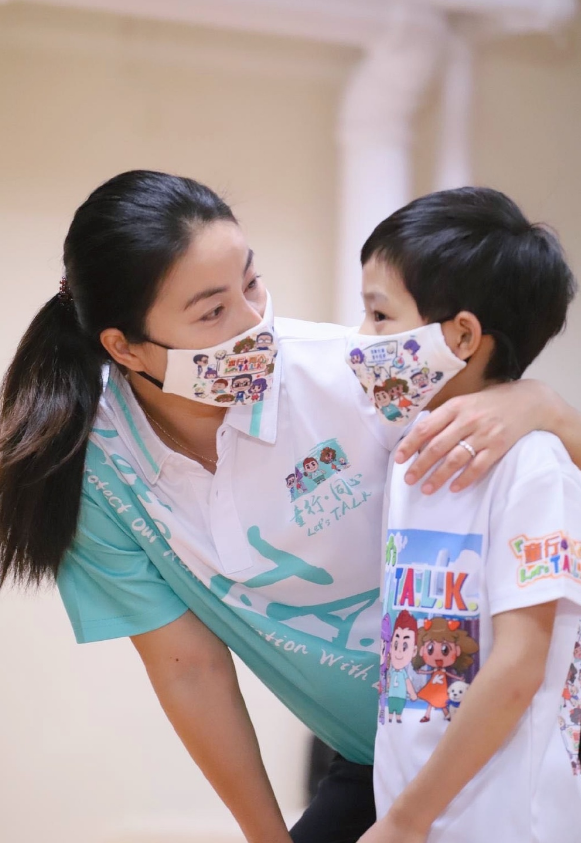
[[122, 242]]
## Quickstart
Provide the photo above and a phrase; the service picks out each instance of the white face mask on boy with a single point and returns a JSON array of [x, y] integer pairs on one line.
[[401, 373], [238, 371]]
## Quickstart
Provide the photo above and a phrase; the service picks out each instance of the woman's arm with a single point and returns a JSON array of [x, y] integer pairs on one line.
[[194, 678], [497, 699], [492, 421]]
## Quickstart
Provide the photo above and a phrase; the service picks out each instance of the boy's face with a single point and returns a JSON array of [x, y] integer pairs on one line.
[[389, 307]]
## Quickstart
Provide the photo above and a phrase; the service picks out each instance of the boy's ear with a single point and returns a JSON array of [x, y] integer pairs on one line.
[[463, 334]]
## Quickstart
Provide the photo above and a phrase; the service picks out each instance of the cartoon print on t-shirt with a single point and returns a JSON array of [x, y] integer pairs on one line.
[[553, 556], [570, 713], [291, 484], [431, 596], [323, 462], [312, 470], [442, 643], [456, 693], [402, 649], [384, 664], [329, 456]]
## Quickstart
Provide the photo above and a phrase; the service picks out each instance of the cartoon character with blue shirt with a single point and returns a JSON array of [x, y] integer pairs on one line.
[[384, 404], [312, 470], [240, 385], [402, 650]]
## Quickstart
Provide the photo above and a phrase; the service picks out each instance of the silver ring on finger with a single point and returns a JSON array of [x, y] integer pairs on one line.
[[468, 447]]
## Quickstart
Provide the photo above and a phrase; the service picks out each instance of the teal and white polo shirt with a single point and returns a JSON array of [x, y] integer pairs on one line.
[[278, 553]]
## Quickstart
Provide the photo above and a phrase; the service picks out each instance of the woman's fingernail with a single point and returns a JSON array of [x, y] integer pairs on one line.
[[427, 488], [410, 478], [454, 487], [400, 457]]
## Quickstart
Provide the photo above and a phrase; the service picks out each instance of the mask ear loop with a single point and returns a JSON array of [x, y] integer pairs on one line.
[[151, 379], [145, 375]]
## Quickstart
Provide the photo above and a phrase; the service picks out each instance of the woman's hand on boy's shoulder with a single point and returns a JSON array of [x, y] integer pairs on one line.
[[488, 423]]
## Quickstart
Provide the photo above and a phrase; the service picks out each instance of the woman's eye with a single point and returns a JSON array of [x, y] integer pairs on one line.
[[379, 317], [254, 283], [209, 317]]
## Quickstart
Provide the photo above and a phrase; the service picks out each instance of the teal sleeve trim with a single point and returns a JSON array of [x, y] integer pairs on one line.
[[88, 632]]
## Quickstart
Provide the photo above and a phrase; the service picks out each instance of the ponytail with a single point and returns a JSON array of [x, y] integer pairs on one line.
[[122, 242], [49, 400]]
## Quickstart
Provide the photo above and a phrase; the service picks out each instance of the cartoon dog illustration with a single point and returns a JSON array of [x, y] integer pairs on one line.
[[456, 693]]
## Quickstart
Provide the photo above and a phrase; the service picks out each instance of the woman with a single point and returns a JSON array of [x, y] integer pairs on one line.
[[161, 505]]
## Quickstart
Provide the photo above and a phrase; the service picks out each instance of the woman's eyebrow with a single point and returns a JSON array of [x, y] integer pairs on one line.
[[205, 294], [249, 260], [214, 291]]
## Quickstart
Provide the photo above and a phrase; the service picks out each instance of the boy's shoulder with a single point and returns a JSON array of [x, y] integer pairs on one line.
[[536, 454]]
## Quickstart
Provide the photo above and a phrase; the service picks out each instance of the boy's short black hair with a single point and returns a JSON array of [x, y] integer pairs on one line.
[[473, 249]]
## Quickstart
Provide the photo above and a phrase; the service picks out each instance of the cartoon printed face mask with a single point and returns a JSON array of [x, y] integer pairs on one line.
[[401, 373], [236, 372]]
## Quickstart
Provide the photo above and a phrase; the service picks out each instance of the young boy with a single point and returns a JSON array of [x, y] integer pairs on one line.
[[460, 286]]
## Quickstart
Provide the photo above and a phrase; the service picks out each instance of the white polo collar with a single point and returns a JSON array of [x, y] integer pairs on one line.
[[258, 420]]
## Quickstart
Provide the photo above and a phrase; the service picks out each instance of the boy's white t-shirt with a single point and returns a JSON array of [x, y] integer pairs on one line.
[[452, 562]]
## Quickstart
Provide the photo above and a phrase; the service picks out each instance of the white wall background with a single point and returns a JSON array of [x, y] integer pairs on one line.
[[85, 751]]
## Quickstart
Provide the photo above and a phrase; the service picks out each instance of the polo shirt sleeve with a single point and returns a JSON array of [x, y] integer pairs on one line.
[[108, 585], [534, 554]]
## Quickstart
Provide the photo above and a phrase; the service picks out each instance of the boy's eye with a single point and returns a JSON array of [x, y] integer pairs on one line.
[[379, 317]]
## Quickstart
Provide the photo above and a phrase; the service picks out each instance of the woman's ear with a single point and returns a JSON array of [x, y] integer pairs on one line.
[[120, 350], [463, 334]]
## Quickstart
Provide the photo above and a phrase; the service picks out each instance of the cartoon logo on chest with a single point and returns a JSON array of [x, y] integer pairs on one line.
[[323, 487], [430, 650], [324, 461]]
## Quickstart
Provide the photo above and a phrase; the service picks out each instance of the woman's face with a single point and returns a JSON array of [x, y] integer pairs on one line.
[[210, 295]]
